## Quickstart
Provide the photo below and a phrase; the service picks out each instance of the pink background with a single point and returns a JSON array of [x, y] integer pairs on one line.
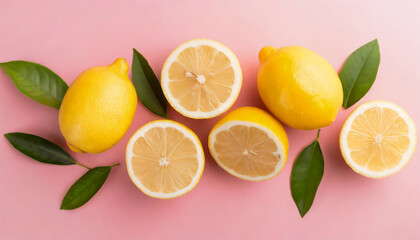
[[71, 36]]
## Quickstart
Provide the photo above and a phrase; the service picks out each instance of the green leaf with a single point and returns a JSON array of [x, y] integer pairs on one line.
[[37, 82], [85, 187], [359, 72], [40, 149], [147, 86], [306, 175]]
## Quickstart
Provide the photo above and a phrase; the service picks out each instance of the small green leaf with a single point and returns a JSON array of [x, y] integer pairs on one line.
[[147, 86], [37, 82], [85, 187], [40, 149], [306, 175], [359, 72]]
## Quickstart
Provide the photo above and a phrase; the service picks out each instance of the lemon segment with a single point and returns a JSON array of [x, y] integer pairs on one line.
[[249, 144], [378, 139], [165, 159], [201, 78]]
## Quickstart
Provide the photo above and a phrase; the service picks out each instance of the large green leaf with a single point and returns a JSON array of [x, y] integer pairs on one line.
[[147, 85], [40, 149], [85, 187], [37, 82], [306, 176], [359, 72]]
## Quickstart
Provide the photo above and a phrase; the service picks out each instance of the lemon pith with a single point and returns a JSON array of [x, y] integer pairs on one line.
[[98, 108], [164, 159], [378, 139], [299, 87], [201, 78], [250, 144]]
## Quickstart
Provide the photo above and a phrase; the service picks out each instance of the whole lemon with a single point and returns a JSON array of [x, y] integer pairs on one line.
[[98, 108], [299, 87]]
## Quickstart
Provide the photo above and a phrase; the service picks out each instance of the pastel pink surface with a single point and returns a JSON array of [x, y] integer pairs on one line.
[[70, 36]]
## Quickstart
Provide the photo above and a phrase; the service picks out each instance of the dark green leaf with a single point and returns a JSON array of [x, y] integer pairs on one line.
[[359, 72], [40, 149], [306, 175], [37, 82], [147, 85], [85, 188]]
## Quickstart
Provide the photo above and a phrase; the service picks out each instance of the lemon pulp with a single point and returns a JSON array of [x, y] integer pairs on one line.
[[378, 139], [247, 150]]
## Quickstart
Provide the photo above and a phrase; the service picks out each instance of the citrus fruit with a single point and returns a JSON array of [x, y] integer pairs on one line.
[[165, 159], [201, 78], [378, 139], [98, 108], [299, 87], [250, 144]]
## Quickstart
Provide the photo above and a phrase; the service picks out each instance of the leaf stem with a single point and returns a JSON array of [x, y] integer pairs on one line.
[[81, 164], [114, 165], [317, 136]]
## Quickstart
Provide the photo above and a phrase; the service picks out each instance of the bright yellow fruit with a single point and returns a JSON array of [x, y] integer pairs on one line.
[[98, 108], [250, 144], [299, 87], [201, 78], [165, 159], [378, 139]]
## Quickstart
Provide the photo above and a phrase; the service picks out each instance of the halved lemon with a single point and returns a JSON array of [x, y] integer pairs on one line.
[[165, 159], [250, 144], [201, 78], [378, 139]]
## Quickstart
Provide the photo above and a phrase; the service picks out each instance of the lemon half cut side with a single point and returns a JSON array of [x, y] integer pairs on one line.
[[201, 78], [250, 144], [378, 139], [165, 159]]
